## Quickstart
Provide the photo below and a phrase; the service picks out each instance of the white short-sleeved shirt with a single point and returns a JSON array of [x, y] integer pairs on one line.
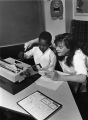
[[46, 59], [79, 66]]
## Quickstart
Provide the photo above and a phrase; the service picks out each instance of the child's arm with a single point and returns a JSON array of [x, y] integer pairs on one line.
[[30, 43], [54, 75], [28, 54]]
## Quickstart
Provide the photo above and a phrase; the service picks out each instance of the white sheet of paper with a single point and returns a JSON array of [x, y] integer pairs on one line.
[[39, 105], [49, 83]]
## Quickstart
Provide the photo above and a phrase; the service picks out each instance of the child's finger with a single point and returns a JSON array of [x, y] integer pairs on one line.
[[49, 74]]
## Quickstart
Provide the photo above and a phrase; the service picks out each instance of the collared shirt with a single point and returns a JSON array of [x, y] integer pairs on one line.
[[79, 66], [46, 60]]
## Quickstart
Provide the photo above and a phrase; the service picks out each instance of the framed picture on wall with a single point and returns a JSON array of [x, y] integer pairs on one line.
[[80, 7]]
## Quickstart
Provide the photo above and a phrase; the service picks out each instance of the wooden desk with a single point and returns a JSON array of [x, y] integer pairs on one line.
[[63, 95]]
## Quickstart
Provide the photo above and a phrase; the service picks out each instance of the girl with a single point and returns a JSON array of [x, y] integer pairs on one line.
[[72, 61]]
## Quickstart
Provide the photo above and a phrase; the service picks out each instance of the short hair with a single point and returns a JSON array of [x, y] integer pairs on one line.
[[65, 37], [46, 36]]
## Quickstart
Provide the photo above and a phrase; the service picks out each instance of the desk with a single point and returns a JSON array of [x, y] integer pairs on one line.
[[62, 95]]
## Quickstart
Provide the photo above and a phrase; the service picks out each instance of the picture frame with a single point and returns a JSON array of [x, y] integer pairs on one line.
[[80, 7]]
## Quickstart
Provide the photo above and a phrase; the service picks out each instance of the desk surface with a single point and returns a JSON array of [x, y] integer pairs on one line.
[[62, 95]]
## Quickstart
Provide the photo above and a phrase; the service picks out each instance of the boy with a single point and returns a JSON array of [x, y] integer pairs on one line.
[[42, 54]]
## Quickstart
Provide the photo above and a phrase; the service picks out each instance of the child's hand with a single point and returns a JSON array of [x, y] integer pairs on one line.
[[27, 45], [49, 74], [41, 72], [53, 75]]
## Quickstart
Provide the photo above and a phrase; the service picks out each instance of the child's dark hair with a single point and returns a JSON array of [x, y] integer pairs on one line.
[[69, 43], [46, 36]]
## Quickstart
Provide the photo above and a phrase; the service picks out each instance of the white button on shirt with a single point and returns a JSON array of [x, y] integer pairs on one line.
[[46, 59]]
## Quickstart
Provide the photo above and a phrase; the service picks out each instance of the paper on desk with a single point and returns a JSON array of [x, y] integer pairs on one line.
[[49, 83]]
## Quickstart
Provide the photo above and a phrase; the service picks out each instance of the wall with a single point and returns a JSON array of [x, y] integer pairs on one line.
[[84, 18], [20, 21], [53, 26]]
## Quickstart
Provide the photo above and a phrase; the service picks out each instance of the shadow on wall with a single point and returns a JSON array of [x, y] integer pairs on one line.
[[11, 51]]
